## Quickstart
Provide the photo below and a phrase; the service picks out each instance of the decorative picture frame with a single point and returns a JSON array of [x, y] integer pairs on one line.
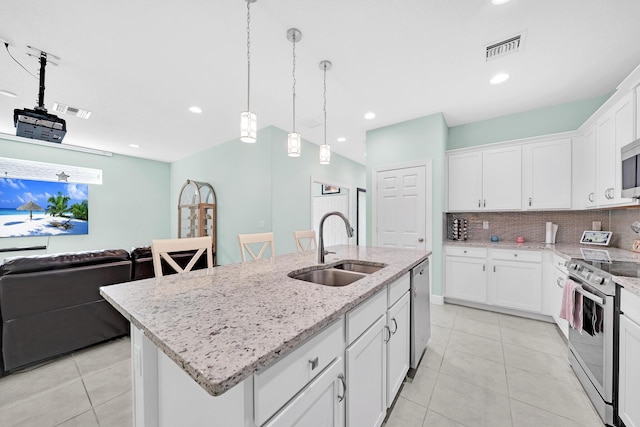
[[330, 189], [601, 238]]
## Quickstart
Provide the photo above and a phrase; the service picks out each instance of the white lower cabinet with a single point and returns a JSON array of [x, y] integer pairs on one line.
[[320, 404], [516, 280], [398, 322], [499, 277], [629, 363], [366, 365], [466, 274]]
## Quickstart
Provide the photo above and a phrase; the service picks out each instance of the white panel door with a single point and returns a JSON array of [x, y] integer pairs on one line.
[[401, 208], [629, 394], [334, 232]]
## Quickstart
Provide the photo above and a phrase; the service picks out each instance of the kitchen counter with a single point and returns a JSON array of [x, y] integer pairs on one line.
[[223, 326], [565, 250]]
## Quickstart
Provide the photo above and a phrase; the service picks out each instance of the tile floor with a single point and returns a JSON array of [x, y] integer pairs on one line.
[[481, 369], [88, 388], [489, 369]]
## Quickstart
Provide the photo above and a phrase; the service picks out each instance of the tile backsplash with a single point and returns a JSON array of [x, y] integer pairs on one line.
[[531, 225]]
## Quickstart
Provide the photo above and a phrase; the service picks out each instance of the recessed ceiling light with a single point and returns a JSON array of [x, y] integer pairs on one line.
[[342, 139], [7, 93], [370, 115], [195, 109], [499, 78], [134, 146], [499, 2]]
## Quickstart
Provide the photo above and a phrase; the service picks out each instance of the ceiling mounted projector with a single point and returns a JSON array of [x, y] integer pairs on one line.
[[37, 123]]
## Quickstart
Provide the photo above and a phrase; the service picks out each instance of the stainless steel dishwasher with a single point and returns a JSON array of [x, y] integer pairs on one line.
[[420, 312]]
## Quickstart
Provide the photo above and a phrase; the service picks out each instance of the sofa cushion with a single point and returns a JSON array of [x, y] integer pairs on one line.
[[26, 264], [42, 291]]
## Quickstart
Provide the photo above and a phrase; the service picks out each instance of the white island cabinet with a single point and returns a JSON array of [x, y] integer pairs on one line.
[[629, 363], [248, 346]]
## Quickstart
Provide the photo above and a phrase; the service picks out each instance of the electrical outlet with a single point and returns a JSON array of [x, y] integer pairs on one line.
[[485, 225], [636, 246], [596, 225]]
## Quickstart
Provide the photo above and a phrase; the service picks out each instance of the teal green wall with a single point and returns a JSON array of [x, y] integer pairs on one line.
[[558, 118], [259, 182], [130, 208], [415, 140]]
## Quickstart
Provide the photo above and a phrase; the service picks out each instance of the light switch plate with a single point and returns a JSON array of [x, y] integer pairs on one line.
[[596, 225], [485, 225]]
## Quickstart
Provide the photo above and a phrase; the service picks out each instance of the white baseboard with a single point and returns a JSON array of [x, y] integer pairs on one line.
[[437, 299]]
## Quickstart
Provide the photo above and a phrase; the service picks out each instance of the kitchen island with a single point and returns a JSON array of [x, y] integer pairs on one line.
[[219, 328]]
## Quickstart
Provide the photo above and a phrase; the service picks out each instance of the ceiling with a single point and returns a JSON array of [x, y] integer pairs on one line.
[[139, 66]]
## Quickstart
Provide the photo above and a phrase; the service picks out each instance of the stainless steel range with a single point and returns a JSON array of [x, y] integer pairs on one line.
[[591, 351]]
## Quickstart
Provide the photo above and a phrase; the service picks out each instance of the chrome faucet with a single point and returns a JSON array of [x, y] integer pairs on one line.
[[321, 251]]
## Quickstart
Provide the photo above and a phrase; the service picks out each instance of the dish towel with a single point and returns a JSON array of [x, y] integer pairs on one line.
[[571, 309]]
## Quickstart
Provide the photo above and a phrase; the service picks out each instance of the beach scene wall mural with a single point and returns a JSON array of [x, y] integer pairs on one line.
[[43, 208]]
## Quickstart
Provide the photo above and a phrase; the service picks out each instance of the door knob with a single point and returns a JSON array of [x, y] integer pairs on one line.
[[421, 240]]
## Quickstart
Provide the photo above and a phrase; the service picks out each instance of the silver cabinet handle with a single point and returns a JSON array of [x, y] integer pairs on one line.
[[494, 268], [515, 255], [558, 280], [479, 203], [591, 197], [484, 203], [396, 325], [421, 240], [529, 201], [388, 330], [484, 267], [314, 363], [344, 388]]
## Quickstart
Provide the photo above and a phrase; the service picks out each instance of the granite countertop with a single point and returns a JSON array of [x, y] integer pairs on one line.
[[222, 327], [565, 250]]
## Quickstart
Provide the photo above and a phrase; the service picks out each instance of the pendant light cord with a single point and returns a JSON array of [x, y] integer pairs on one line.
[[324, 107], [294, 83], [248, 53]]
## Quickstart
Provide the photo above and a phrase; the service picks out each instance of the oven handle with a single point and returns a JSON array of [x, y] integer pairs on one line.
[[591, 296]]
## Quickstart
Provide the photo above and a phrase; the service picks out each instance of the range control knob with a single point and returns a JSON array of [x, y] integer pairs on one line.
[[573, 266], [597, 280]]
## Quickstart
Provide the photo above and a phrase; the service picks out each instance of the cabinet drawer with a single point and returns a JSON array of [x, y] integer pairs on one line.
[[630, 305], [275, 385], [360, 318], [467, 251], [560, 263], [516, 255], [398, 288]]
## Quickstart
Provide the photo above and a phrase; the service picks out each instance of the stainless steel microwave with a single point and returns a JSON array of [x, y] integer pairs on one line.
[[630, 156]]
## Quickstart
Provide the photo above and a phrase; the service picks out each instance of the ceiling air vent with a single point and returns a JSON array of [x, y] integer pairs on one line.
[[504, 47], [73, 111]]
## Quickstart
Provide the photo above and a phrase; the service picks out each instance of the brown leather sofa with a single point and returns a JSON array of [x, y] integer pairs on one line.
[[51, 305]]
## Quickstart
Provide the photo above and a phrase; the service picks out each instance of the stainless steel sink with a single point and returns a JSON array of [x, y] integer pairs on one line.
[[328, 276], [359, 267], [341, 274]]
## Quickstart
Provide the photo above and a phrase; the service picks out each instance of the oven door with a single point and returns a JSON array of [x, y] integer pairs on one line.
[[593, 346]]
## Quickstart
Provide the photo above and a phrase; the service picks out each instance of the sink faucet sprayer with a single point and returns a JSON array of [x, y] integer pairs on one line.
[[321, 251]]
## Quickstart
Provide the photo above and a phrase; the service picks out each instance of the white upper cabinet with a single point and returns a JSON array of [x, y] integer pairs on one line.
[[583, 169], [465, 181], [502, 178], [614, 130], [485, 180], [546, 175]]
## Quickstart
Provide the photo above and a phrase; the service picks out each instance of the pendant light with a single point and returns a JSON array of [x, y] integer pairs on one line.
[[248, 121], [325, 149], [294, 141]]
